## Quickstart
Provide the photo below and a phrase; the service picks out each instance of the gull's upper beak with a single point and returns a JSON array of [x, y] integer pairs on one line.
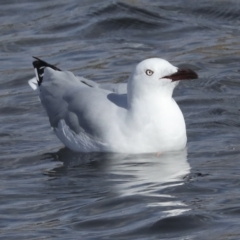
[[182, 74]]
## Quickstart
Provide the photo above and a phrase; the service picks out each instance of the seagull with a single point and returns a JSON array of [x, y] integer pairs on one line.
[[139, 116]]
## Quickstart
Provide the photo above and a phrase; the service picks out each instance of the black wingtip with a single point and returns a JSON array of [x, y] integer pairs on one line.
[[39, 66]]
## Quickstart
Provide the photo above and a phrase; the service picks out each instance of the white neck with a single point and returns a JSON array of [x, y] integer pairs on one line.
[[153, 112]]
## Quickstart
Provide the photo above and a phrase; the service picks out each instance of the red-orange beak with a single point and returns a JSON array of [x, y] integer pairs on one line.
[[182, 74]]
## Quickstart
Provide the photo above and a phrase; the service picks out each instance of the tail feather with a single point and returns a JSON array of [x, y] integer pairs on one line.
[[39, 66]]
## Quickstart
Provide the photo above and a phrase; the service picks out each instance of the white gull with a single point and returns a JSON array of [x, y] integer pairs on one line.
[[138, 117]]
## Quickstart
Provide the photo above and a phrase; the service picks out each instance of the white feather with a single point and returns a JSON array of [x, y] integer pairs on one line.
[[33, 83]]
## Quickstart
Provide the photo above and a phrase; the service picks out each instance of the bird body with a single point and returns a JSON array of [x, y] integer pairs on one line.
[[138, 117]]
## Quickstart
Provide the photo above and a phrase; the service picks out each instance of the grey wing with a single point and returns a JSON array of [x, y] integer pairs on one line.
[[84, 108], [119, 88], [88, 82], [52, 90]]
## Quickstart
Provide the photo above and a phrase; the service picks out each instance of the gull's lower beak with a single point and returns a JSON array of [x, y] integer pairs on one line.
[[182, 74]]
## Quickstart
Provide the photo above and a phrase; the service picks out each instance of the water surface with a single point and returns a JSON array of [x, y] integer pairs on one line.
[[49, 192]]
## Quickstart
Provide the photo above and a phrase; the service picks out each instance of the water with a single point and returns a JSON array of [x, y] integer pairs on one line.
[[49, 192]]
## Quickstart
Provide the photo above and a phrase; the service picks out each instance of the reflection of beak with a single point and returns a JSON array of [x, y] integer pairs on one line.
[[182, 74]]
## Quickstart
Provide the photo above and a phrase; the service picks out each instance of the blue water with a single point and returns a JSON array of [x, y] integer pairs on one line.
[[49, 192]]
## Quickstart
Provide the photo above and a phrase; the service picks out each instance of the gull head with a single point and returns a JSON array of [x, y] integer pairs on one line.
[[156, 75]]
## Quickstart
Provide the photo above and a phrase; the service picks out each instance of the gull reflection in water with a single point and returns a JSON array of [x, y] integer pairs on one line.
[[148, 176], [149, 173]]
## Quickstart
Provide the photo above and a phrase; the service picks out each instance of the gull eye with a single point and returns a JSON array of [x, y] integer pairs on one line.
[[149, 72]]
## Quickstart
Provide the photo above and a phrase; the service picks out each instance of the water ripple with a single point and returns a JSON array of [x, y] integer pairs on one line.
[[57, 194]]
